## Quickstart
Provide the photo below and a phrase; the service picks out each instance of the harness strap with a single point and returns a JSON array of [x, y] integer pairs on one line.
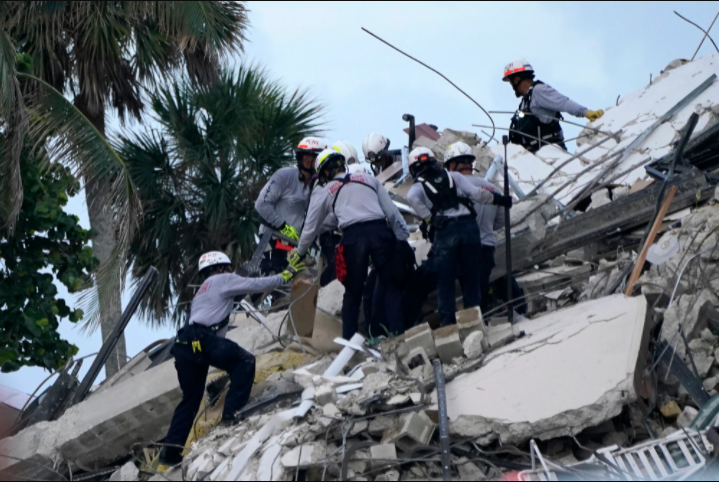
[[346, 180]]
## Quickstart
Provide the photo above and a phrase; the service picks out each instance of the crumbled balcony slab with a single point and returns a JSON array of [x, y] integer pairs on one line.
[[574, 369]]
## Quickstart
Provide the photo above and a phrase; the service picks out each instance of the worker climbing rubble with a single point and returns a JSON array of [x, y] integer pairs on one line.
[[284, 199], [371, 226], [540, 110], [445, 202], [459, 158], [202, 344]]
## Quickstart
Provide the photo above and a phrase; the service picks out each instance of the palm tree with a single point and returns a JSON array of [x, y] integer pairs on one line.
[[198, 176], [102, 55]]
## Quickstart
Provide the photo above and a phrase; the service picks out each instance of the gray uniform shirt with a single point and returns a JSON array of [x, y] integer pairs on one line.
[[213, 303], [489, 217], [546, 102], [355, 204], [284, 199], [418, 199]]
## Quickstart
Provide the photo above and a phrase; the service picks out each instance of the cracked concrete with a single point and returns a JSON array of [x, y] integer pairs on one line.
[[574, 369]]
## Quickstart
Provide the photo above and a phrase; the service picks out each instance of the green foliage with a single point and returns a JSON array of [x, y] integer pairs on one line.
[[47, 242], [199, 175]]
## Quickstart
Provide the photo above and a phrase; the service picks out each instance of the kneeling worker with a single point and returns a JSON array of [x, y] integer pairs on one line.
[[540, 110], [459, 158], [370, 225], [202, 344], [445, 201]]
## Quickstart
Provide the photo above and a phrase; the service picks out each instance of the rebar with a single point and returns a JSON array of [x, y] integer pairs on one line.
[[706, 32]]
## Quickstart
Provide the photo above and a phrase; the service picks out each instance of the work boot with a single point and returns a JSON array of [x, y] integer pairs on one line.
[[171, 456], [231, 421]]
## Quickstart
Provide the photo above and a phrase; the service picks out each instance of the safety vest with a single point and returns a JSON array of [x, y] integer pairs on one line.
[[550, 133], [441, 190]]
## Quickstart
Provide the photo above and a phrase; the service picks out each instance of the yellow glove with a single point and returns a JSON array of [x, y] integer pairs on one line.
[[290, 232], [593, 115], [296, 266]]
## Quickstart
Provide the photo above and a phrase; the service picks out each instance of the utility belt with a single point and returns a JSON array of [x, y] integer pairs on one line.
[[439, 222], [194, 333]]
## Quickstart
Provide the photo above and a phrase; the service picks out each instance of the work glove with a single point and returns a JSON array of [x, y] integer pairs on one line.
[[424, 228], [290, 232], [296, 266], [294, 257], [593, 115], [504, 201]]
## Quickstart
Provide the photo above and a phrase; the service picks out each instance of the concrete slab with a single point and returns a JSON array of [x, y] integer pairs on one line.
[[574, 369]]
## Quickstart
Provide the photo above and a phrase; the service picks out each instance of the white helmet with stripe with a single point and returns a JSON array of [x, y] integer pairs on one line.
[[329, 156], [360, 168], [347, 150], [213, 258], [310, 145], [459, 151], [373, 145], [420, 154], [517, 67]]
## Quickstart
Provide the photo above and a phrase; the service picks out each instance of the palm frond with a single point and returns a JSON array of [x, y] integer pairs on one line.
[[69, 137], [13, 126]]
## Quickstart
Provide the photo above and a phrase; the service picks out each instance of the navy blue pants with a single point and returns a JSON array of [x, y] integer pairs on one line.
[[328, 246], [457, 251], [361, 242], [192, 369], [486, 265], [419, 288]]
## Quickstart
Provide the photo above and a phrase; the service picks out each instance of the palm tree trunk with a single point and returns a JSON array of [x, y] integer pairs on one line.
[[99, 202]]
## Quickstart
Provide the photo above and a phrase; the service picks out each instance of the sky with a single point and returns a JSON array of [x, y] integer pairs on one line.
[[590, 51]]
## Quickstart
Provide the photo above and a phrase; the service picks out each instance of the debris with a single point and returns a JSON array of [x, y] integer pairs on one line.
[[448, 344], [304, 456], [382, 455], [325, 394], [473, 345], [687, 417], [421, 337], [671, 410], [413, 429], [127, 473]]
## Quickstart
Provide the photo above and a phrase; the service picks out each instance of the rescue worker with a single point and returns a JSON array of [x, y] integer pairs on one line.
[[371, 227], [459, 158], [376, 152], [540, 110], [445, 201], [202, 344], [330, 238], [283, 201]]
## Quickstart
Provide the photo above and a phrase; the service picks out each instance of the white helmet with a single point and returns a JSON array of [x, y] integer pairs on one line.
[[327, 156], [347, 150], [457, 151], [310, 145], [360, 168], [516, 67], [213, 258], [420, 154], [373, 145]]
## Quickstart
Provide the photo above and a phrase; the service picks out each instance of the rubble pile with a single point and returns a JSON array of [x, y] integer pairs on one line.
[[595, 380]]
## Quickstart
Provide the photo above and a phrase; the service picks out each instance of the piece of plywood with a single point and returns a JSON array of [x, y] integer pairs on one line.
[[303, 305]]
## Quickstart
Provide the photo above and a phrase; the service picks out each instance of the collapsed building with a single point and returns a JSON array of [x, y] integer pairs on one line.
[[613, 371]]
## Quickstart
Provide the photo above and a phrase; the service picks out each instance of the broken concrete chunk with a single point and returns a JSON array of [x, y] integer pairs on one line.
[[325, 394], [379, 425], [500, 335], [469, 321], [671, 410], [412, 430], [421, 337], [416, 358], [703, 363], [620, 439], [687, 417], [383, 455], [305, 455], [473, 345], [709, 337], [330, 410], [468, 470], [575, 368], [127, 473], [449, 346], [389, 476]]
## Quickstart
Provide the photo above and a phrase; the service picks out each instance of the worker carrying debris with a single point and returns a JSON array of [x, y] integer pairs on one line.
[[371, 226], [459, 158], [445, 201], [376, 152], [202, 344], [283, 201], [540, 110]]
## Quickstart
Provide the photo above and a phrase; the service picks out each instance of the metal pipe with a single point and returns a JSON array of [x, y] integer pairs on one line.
[[443, 421], [112, 340], [497, 164]]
